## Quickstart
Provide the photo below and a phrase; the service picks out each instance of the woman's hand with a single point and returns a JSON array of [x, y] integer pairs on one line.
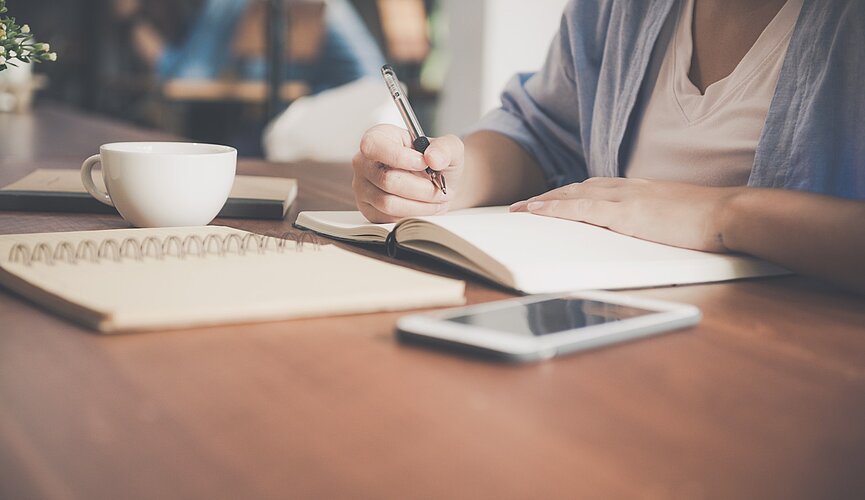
[[683, 215], [389, 178]]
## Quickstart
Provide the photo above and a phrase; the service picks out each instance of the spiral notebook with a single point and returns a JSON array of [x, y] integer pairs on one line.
[[146, 279], [537, 254]]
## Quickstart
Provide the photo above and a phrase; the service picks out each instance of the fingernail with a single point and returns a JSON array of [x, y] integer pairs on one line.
[[518, 206], [535, 205]]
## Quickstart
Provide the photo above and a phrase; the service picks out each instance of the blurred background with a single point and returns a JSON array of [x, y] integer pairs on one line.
[[278, 78]]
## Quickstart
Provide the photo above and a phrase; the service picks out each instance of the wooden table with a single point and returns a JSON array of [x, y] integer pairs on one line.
[[764, 399]]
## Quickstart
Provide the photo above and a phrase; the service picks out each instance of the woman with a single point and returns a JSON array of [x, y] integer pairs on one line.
[[719, 125]]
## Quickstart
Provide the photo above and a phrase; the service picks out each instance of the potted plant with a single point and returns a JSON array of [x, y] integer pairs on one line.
[[17, 43], [18, 48]]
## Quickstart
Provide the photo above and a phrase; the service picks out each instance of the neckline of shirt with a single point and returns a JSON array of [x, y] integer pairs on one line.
[[696, 106]]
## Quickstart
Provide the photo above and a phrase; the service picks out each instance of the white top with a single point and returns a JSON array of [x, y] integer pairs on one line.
[[707, 139]]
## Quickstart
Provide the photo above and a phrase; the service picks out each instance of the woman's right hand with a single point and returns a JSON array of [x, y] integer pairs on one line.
[[390, 181]]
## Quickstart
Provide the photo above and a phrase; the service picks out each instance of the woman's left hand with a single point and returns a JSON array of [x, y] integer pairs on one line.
[[674, 213]]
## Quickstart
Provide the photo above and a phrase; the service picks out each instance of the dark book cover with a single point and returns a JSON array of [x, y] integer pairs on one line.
[[249, 198]]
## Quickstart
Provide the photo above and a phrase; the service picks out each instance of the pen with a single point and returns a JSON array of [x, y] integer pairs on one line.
[[419, 142]]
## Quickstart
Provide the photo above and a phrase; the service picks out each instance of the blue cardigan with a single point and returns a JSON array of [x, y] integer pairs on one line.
[[573, 115]]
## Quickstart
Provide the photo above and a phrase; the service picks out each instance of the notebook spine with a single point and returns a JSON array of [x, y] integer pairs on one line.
[[191, 246]]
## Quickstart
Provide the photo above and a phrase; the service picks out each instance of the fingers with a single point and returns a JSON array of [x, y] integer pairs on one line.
[[598, 212], [411, 185], [444, 152], [381, 206], [374, 215], [389, 176], [391, 146], [387, 207], [595, 188], [595, 201]]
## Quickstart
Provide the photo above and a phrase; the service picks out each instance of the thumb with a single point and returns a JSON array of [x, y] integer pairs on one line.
[[443, 152]]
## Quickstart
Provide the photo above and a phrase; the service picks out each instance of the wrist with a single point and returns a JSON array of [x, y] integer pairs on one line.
[[733, 211]]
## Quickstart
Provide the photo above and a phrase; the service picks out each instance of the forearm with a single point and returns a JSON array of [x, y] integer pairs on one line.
[[807, 233], [497, 171]]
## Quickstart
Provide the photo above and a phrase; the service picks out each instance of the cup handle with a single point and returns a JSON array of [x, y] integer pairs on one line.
[[87, 180]]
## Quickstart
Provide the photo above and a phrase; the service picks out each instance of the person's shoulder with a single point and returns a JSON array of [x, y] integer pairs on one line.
[[585, 24], [834, 15], [588, 13], [856, 7], [589, 23], [851, 13], [602, 11]]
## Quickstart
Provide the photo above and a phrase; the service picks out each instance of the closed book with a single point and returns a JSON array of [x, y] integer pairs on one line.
[[61, 190]]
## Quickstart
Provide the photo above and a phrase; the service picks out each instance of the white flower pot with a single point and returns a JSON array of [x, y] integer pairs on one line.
[[16, 77]]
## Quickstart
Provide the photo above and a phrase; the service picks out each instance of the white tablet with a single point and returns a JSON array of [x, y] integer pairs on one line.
[[543, 326]]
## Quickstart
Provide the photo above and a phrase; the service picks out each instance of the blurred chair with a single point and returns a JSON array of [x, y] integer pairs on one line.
[[239, 75], [222, 95], [327, 127], [328, 46]]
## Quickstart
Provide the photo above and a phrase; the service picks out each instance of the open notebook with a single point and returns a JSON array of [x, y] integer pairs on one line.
[[537, 254], [144, 279]]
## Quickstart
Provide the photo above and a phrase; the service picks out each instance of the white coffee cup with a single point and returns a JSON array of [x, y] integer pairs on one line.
[[158, 184]]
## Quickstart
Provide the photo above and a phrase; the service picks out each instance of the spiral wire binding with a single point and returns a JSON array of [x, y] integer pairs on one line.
[[156, 248]]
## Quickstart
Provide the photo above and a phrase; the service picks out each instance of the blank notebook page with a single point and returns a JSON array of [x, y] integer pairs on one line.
[[154, 293], [545, 254]]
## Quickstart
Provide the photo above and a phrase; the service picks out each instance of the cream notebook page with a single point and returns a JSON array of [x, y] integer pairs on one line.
[[151, 293], [543, 254]]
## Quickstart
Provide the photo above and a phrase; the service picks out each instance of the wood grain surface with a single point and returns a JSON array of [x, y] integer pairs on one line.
[[764, 399]]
